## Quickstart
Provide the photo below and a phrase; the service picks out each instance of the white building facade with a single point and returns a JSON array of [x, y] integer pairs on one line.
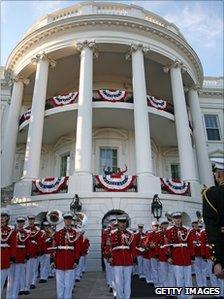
[[107, 84]]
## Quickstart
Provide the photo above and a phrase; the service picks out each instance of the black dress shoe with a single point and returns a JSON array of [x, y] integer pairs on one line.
[[111, 290], [26, 292], [21, 293], [51, 276], [77, 280], [42, 281], [32, 286]]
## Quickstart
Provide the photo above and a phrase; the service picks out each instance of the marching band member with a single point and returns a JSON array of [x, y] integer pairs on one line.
[[7, 247], [66, 257], [150, 243], [16, 278], [181, 252], [31, 265], [162, 254], [47, 250], [139, 237], [198, 263], [123, 255]]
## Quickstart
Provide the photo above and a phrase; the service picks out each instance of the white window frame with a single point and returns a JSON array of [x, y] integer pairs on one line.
[[218, 126]]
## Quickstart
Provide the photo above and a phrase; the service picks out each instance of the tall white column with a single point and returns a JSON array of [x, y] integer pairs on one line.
[[35, 132], [204, 165], [9, 145], [83, 151], [144, 169], [186, 156]]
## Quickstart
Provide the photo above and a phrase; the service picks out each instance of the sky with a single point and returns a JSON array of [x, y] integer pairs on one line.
[[201, 23]]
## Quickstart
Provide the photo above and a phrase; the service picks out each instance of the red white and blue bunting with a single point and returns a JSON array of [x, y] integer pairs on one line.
[[156, 103], [111, 95], [50, 185], [175, 186], [116, 183], [66, 99], [25, 116]]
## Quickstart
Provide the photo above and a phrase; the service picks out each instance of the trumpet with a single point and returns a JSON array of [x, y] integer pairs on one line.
[[81, 219]]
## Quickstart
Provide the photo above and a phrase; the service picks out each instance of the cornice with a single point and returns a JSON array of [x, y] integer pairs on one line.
[[211, 93], [110, 20]]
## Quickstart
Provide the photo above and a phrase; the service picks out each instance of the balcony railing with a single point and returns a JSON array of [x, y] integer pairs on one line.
[[114, 183], [50, 185], [101, 95]]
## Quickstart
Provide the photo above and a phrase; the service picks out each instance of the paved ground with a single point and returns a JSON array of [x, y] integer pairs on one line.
[[92, 286]]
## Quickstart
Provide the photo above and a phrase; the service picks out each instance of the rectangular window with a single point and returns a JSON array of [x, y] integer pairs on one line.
[[175, 171], [65, 165], [108, 158], [212, 128]]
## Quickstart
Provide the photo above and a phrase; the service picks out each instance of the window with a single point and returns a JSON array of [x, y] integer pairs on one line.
[[65, 165], [175, 171], [212, 128], [108, 157]]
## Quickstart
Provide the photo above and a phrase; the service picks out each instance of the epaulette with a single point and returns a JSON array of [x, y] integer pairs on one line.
[[204, 196], [169, 227], [114, 230]]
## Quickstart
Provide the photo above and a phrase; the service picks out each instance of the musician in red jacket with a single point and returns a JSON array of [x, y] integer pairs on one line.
[[7, 247], [66, 257], [181, 251], [139, 238], [16, 279], [35, 248], [162, 254], [123, 256], [198, 263], [150, 244]]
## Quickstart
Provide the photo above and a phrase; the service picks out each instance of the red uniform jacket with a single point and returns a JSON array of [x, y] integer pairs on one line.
[[195, 237], [123, 249], [150, 243], [181, 247], [139, 239], [8, 241], [105, 243], [47, 243], [85, 246], [162, 248], [206, 248], [67, 248], [35, 240], [23, 245]]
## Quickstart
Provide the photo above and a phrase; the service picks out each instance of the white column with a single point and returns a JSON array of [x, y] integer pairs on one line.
[[204, 165], [186, 156], [35, 132], [83, 151], [9, 145], [144, 169]]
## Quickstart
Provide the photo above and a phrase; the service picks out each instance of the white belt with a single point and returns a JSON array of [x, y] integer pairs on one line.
[[140, 249], [66, 247], [4, 245], [209, 246], [34, 242], [20, 246], [51, 248], [121, 247], [180, 245], [164, 246]]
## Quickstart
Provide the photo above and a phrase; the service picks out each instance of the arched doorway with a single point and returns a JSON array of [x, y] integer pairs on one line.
[[106, 217]]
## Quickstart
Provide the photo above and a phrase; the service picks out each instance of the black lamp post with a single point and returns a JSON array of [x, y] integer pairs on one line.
[[76, 205], [156, 207]]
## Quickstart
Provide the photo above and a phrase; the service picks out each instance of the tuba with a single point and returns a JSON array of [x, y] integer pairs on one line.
[[81, 219], [54, 217]]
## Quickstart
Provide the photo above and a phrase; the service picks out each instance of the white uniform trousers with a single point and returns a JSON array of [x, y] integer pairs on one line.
[[79, 268], [45, 266], [113, 285], [140, 266], [64, 283], [122, 275], [30, 272], [221, 285], [16, 272], [199, 266], [84, 264], [4, 275], [183, 278], [147, 270], [154, 270], [213, 279], [171, 281], [74, 282], [163, 273], [107, 271]]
